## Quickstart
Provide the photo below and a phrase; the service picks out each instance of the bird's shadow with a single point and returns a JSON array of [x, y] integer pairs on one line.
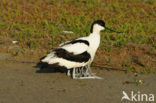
[[52, 68]]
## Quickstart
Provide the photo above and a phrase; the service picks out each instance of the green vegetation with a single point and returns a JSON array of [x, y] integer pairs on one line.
[[128, 67], [36, 23]]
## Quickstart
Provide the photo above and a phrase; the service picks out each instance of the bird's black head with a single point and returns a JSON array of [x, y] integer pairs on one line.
[[99, 25], [98, 22]]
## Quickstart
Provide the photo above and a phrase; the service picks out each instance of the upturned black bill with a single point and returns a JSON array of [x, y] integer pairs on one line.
[[113, 30]]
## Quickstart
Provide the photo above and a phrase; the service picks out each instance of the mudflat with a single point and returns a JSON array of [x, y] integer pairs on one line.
[[21, 83]]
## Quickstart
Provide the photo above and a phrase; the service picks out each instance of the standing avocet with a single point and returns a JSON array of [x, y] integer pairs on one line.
[[77, 55]]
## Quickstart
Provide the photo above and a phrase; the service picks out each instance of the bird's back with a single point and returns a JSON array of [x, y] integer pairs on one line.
[[70, 54]]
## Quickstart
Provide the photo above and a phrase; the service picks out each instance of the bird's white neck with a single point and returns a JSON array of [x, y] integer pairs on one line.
[[96, 32], [94, 40]]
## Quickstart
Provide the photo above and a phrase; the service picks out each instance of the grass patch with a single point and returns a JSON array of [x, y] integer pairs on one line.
[[33, 21], [29, 20]]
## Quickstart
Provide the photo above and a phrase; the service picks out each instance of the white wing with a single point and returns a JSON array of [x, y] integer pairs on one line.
[[76, 48]]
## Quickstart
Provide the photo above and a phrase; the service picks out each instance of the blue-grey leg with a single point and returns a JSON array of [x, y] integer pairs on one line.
[[81, 71], [88, 74], [68, 72], [76, 73], [73, 74], [90, 71]]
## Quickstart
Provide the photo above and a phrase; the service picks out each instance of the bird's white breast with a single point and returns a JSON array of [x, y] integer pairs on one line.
[[94, 41]]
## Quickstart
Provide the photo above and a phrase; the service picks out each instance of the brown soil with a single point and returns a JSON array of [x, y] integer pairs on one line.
[[141, 57]]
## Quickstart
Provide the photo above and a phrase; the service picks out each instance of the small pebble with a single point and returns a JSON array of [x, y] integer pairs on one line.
[[14, 41], [69, 32]]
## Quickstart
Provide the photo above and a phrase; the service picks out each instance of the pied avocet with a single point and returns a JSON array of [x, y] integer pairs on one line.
[[77, 55]]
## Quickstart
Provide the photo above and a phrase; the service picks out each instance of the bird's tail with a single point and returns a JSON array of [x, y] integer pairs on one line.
[[42, 65]]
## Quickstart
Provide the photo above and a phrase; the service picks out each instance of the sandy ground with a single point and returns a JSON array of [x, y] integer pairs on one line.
[[20, 83]]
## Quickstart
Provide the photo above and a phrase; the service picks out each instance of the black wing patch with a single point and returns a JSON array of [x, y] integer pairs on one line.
[[62, 53], [77, 41]]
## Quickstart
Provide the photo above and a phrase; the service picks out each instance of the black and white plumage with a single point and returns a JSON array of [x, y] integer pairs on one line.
[[78, 54]]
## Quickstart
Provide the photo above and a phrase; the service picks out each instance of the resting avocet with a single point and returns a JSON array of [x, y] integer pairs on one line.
[[77, 55]]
